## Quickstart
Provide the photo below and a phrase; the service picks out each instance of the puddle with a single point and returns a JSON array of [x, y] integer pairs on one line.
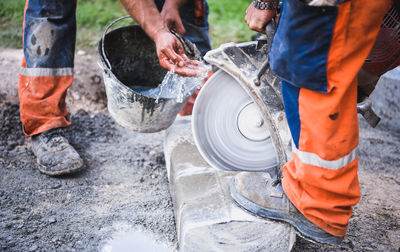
[[133, 240]]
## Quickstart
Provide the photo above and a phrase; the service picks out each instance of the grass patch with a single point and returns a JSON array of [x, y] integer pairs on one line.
[[226, 21], [11, 16], [10, 33]]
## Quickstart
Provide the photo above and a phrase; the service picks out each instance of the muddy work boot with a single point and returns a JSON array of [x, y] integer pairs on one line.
[[260, 195], [54, 154]]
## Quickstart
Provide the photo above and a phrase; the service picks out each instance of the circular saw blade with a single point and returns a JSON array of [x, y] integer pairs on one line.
[[228, 128]]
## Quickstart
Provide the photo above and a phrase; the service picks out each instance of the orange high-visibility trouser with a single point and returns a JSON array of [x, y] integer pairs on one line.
[[317, 52], [47, 67]]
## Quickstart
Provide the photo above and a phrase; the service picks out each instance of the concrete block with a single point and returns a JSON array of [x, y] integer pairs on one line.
[[206, 217], [386, 99]]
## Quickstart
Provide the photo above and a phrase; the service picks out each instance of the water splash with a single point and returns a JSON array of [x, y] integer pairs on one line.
[[175, 86]]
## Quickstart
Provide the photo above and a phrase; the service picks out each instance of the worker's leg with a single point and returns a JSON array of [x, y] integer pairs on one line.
[[321, 179], [46, 74], [317, 52], [47, 68]]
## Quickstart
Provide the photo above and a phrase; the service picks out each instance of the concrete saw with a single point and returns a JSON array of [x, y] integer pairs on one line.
[[238, 120]]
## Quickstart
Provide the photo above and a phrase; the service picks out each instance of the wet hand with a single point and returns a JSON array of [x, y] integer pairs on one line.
[[257, 19], [172, 56]]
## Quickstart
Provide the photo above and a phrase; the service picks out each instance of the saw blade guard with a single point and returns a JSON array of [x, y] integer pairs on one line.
[[238, 123]]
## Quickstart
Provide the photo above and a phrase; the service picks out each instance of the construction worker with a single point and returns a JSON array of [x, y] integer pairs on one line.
[[47, 67], [318, 49]]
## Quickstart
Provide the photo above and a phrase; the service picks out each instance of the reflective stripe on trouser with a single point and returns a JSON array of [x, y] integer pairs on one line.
[[47, 67], [321, 179]]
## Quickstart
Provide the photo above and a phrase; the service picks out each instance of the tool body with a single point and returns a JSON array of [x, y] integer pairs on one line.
[[238, 120]]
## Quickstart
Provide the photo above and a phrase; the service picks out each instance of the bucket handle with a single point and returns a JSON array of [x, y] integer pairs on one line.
[[108, 64]]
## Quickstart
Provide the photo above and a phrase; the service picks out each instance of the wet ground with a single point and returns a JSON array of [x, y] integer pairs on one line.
[[125, 186]]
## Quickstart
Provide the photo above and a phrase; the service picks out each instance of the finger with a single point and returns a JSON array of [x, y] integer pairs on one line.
[[258, 25], [194, 63], [188, 72], [277, 19], [179, 49], [166, 63], [176, 58], [261, 28], [185, 58], [255, 27], [191, 68]]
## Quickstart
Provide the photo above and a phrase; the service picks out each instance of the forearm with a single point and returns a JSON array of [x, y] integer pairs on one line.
[[174, 3], [146, 14]]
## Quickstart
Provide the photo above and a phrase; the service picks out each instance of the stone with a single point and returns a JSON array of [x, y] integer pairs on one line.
[[33, 248], [80, 52], [55, 186], [52, 220], [207, 219], [386, 99]]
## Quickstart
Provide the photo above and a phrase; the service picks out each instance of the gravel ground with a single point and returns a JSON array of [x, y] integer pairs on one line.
[[125, 184]]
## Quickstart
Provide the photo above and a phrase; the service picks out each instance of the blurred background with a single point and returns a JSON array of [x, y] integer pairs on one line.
[[226, 21]]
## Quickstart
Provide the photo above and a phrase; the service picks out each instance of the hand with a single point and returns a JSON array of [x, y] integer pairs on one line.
[[257, 19], [172, 56], [171, 17]]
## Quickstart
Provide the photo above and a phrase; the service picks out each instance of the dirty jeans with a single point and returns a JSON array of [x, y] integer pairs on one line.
[[317, 53], [47, 67]]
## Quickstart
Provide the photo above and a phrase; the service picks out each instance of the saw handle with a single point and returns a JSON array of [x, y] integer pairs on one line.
[[270, 30]]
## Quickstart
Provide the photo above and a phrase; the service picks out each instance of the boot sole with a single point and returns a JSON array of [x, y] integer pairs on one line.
[[72, 169], [299, 225]]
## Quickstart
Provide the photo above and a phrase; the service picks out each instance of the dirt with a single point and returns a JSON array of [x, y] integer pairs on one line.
[[125, 184]]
